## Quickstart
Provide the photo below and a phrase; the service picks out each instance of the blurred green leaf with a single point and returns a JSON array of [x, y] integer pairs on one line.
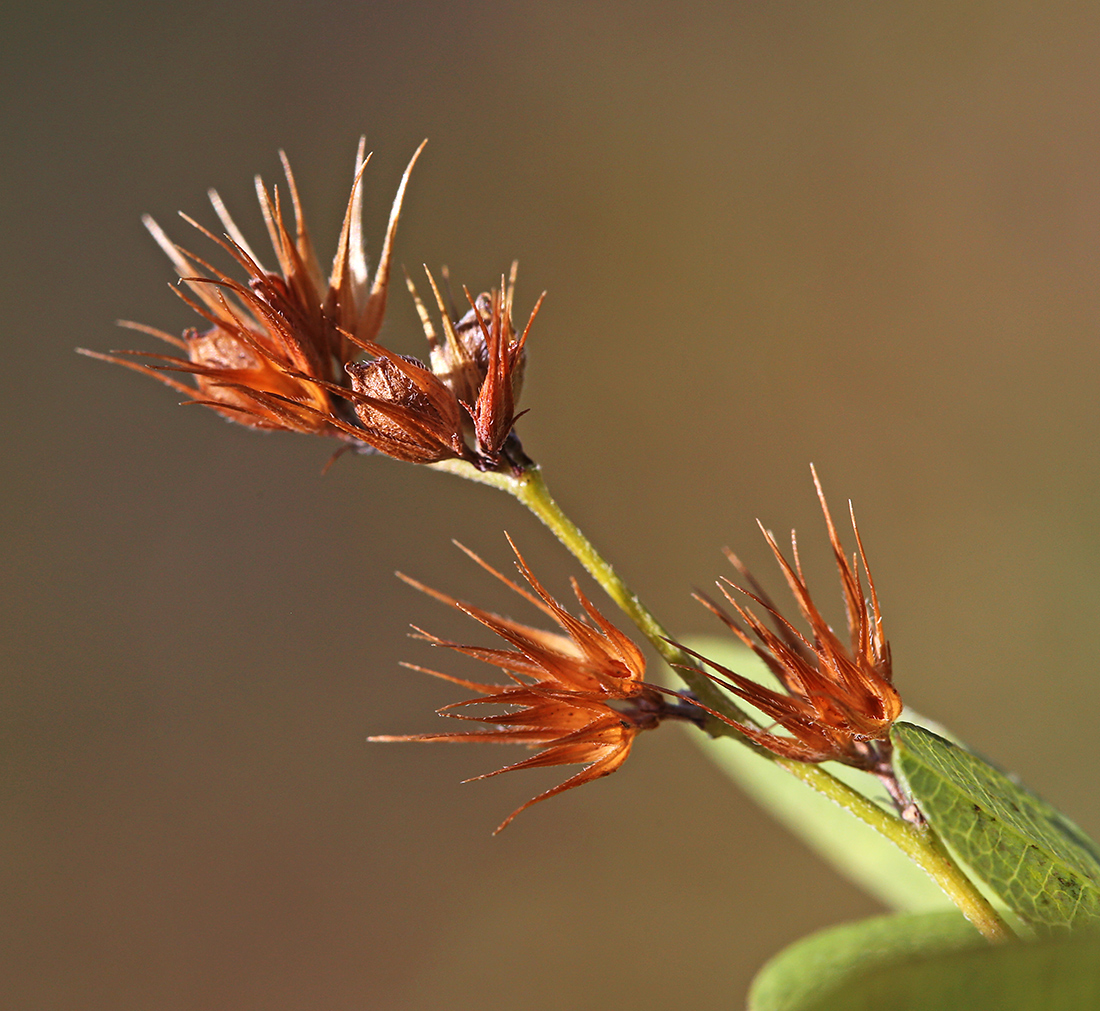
[[1041, 864], [930, 962], [811, 971], [853, 848]]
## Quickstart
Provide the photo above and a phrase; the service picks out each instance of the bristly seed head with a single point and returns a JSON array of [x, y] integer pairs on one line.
[[284, 346], [839, 700], [480, 359], [562, 688], [278, 341]]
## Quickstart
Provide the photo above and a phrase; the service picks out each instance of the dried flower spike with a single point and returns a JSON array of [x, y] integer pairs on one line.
[[562, 689], [839, 701], [274, 356]]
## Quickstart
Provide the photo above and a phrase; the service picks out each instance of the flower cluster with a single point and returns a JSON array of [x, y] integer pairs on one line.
[[289, 349], [839, 700], [284, 349], [579, 697]]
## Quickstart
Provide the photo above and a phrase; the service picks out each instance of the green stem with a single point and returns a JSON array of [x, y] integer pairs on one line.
[[531, 490], [921, 845]]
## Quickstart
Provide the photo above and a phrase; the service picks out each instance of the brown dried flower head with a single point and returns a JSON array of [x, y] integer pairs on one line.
[[283, 347], [839, 700], [561, 691], [480, 359], [274, 355]]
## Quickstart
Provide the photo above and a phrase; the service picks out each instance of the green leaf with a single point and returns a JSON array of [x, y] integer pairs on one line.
[[853, 848], [931, 962], [1034, 858], [810, 972]]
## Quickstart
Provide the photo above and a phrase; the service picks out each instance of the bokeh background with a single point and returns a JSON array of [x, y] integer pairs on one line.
[[862, 234]]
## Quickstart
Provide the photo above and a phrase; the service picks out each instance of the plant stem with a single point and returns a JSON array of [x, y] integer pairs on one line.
[[531, 490], [921, 845]]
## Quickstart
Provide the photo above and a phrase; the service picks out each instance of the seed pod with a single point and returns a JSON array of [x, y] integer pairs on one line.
[[404, 410]]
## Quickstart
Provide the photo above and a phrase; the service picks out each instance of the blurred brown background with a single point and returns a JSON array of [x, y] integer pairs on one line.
[[862, 234]]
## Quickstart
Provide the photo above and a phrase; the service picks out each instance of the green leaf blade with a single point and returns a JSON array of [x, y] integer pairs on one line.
[[1034, 858], [813, 971], [853, 848], [928, 962]]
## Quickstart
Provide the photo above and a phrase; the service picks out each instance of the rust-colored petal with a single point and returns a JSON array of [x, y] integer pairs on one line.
[[493, 412]]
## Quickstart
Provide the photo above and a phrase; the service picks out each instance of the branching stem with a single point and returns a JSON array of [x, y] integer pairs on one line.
[[531, 490], [920, 844]]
